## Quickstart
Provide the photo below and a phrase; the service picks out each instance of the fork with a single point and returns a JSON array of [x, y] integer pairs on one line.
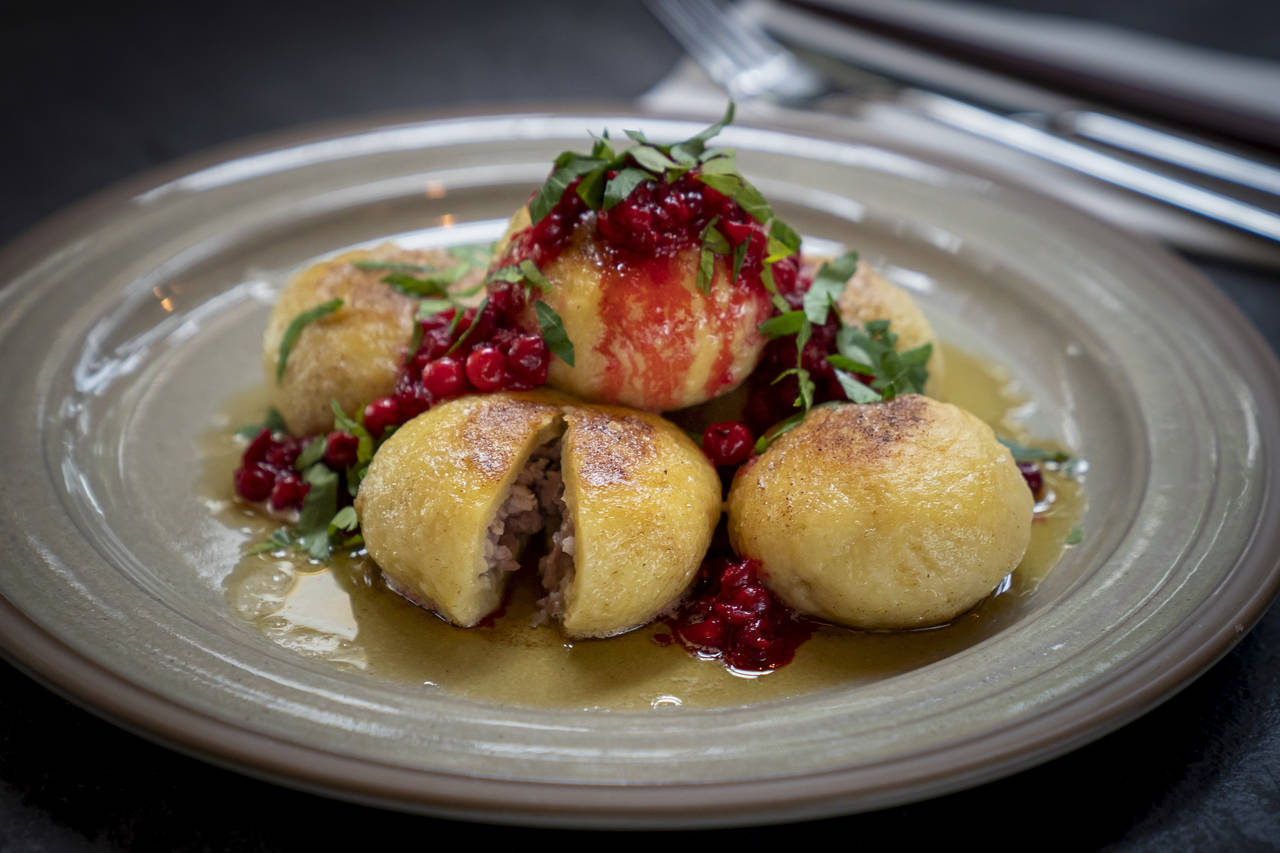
[[738, 55]]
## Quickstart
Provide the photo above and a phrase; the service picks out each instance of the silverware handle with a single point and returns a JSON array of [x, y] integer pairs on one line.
[[1161, 145], [1080, 158]]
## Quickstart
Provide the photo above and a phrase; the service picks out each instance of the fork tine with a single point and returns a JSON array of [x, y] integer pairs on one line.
[[735, 53]]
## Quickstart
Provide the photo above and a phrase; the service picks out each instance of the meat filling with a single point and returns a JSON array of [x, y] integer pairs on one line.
[[556, 566], [522, 514], [535, 504]]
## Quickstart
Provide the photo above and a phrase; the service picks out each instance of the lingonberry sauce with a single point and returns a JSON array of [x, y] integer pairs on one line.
[[266, 472], [733, 617], [727, 443], [1030, 472], [657, 220]]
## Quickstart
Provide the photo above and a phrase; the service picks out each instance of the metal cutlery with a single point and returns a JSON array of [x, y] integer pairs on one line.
[[749, 63]]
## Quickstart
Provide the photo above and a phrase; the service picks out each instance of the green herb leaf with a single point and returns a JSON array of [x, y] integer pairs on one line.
[[280, 540], [392, 266], [855, 390], [872, 347], [484, 303], [807, 388], [295, 328], [739, 256], [693, 147], [553, 332], [737, 188], [341, 421], [827, 286], [1023, 453], [783, 240], [621, 185], [274, 421], [509, 273], [345, 519], [789, 323], [637, 136], [714, 240], [318, 507], [651, 158], [533, 275], [713, 243], [568, 166], [428, 308], [722, 163], [777, 431], [843, 362], [311, 454], [413, 286], [602, 149], [591, 188], [1075, 536]]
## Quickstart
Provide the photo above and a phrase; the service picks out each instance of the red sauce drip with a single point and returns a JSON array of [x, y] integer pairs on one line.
[[732, 616], [650, 318]]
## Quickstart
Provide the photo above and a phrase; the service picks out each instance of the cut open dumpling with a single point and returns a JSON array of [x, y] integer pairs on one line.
[[625, 502], [451, 498]]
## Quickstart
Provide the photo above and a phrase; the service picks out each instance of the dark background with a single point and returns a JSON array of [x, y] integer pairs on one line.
[[91, 98]]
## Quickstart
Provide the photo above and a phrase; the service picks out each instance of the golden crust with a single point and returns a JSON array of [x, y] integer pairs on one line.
[[352, 355], [870, 296], [883, 516], [645, 502], [436, 485]]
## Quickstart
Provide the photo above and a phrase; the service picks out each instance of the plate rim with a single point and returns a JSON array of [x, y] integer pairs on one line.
[[43, 656]]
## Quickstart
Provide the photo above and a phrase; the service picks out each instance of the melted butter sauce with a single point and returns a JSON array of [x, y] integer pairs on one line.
[[342, 613]]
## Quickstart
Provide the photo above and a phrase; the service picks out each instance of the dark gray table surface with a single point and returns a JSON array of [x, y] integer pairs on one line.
[[92, 98]]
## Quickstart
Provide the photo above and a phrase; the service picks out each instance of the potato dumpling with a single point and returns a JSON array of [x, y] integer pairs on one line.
[[439, 493], [626, 501], [883, 516], [352, 355], [870, 296], [644, 335], [642, 502]]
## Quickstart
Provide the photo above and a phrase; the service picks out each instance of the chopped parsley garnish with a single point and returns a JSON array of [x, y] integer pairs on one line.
[[274, 421], [649, 161], [892, 372], [323, 526], [1023, 453], [866, 364], [296, 325], [553, 332]]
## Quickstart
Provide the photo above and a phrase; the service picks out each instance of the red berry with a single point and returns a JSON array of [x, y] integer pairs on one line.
[[727, 443], [288, 492], [380, 414], [283, 453], [253, 482], [737, 574], [487, 368], [340, 449], [444, 378], [753, 598], [257, 449], [413, 400], [529, 359], [1030, 472], [709, 634]]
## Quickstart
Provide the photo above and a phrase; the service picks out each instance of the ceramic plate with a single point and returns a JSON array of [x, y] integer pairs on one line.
[[128, 322]]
